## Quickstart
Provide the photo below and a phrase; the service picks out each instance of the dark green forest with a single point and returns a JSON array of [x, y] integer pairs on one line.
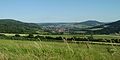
[[110, 28], [13, 26]]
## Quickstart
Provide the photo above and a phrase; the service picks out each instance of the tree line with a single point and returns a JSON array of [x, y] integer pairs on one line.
[[31, 37]]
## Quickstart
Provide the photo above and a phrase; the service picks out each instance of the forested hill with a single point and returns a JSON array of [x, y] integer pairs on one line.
[[13, 26], [91, 23], [109, 28]]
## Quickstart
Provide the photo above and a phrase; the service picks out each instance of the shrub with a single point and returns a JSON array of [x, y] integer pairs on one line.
[[58, 38], [30, 36], [48, 37], [41, 37], [2, 35], [17, 35]]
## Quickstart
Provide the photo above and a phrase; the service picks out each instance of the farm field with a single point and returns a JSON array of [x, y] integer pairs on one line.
[[39, 50]]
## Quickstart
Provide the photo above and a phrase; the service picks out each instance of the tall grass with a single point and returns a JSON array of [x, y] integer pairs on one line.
[[39, 50]]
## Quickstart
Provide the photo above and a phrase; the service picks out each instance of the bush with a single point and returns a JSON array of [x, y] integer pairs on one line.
[[48, 37], [41, 37], [2, 35], [17, 35], [30, 36], [59, 38]]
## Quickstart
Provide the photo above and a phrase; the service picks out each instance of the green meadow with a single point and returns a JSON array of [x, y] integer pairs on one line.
[[41, 50]]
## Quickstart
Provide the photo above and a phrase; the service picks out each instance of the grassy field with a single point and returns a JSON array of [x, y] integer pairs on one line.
[[39, 50]]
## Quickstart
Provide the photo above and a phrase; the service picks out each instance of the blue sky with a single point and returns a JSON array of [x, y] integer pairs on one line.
[[40, 11]]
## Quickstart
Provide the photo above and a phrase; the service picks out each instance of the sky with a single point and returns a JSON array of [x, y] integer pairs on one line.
[[44, 11]]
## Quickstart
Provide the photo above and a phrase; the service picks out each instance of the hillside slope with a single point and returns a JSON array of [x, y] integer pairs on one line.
[[91, 23], [13, 26], [74, 25], [109, 28]]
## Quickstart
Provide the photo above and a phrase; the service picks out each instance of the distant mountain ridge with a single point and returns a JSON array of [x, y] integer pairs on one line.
[[91, 23], [74, 27], [14, 26]]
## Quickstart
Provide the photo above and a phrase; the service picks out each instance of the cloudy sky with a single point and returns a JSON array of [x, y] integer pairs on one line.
[[40, 11]]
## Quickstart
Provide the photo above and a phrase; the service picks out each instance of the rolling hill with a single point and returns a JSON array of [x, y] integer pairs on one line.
[[86, 24], [109, 28], [74, 27], [91, 23], [14, 26]]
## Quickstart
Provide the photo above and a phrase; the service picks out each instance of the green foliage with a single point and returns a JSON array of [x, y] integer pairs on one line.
[[13, 26], [30, 36], [90, 37], [110, 28], [2, 35], [17, 35], [39, 37]]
